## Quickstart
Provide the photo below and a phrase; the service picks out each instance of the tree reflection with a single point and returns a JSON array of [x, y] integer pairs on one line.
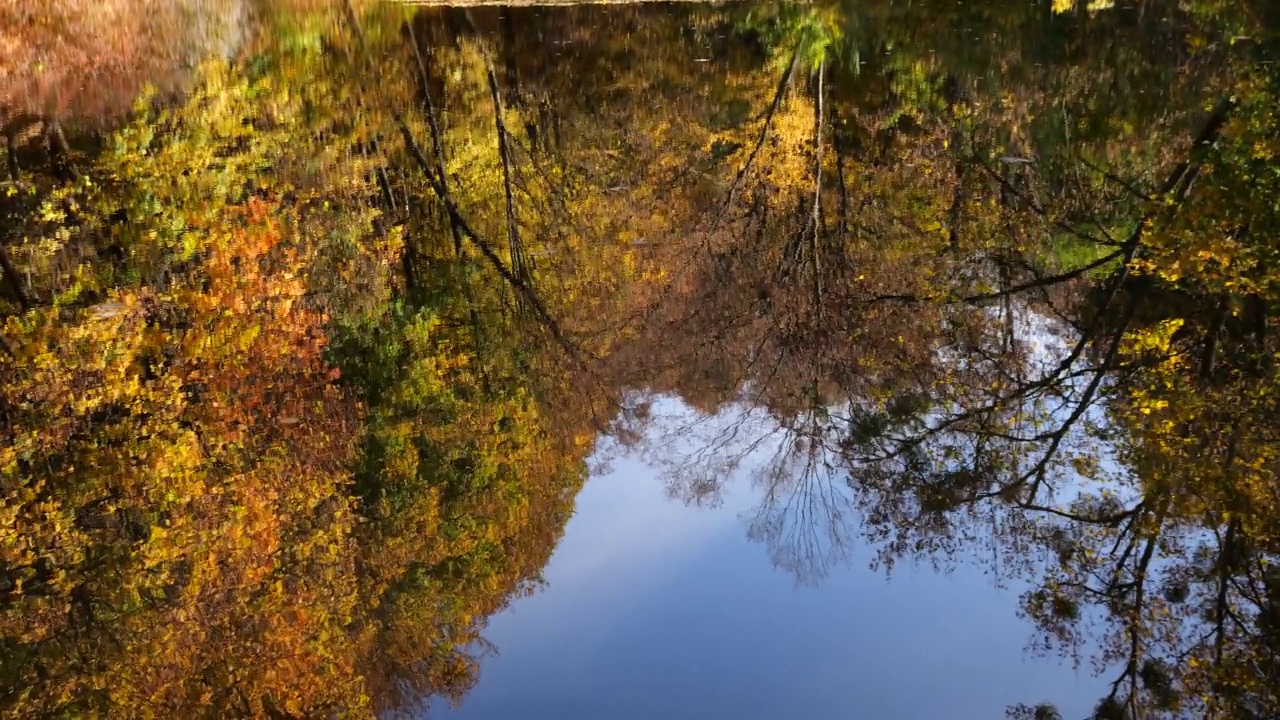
[[1103, 427], [312, 360]]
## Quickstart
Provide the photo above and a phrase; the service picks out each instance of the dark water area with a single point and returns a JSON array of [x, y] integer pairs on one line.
[[755, 360]]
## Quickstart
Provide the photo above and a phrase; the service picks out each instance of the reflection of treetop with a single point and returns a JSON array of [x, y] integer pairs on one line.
[[298, 375]]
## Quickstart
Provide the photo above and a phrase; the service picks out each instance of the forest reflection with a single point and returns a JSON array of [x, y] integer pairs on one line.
[[302, 371]]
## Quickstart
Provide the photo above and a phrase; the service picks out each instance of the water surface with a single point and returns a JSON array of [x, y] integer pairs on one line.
[[657, 609], [637, 360]]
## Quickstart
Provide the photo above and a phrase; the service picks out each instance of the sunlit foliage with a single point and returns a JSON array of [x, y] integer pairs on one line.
[[298, 372]]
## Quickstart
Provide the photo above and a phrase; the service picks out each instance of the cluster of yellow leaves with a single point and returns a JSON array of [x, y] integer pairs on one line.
[[183, 472], [177, 454]]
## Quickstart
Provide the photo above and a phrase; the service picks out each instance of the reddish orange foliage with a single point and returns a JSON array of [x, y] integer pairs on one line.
[[64, 58]]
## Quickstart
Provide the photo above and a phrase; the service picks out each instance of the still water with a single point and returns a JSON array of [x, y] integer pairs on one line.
[[748, 360], [654, 608]]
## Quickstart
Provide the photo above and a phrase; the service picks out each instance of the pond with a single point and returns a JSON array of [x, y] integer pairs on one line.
[[657, 608], [753, 360]]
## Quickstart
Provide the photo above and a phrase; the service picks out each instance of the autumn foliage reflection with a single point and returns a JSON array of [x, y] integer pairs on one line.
[[298, 375]]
